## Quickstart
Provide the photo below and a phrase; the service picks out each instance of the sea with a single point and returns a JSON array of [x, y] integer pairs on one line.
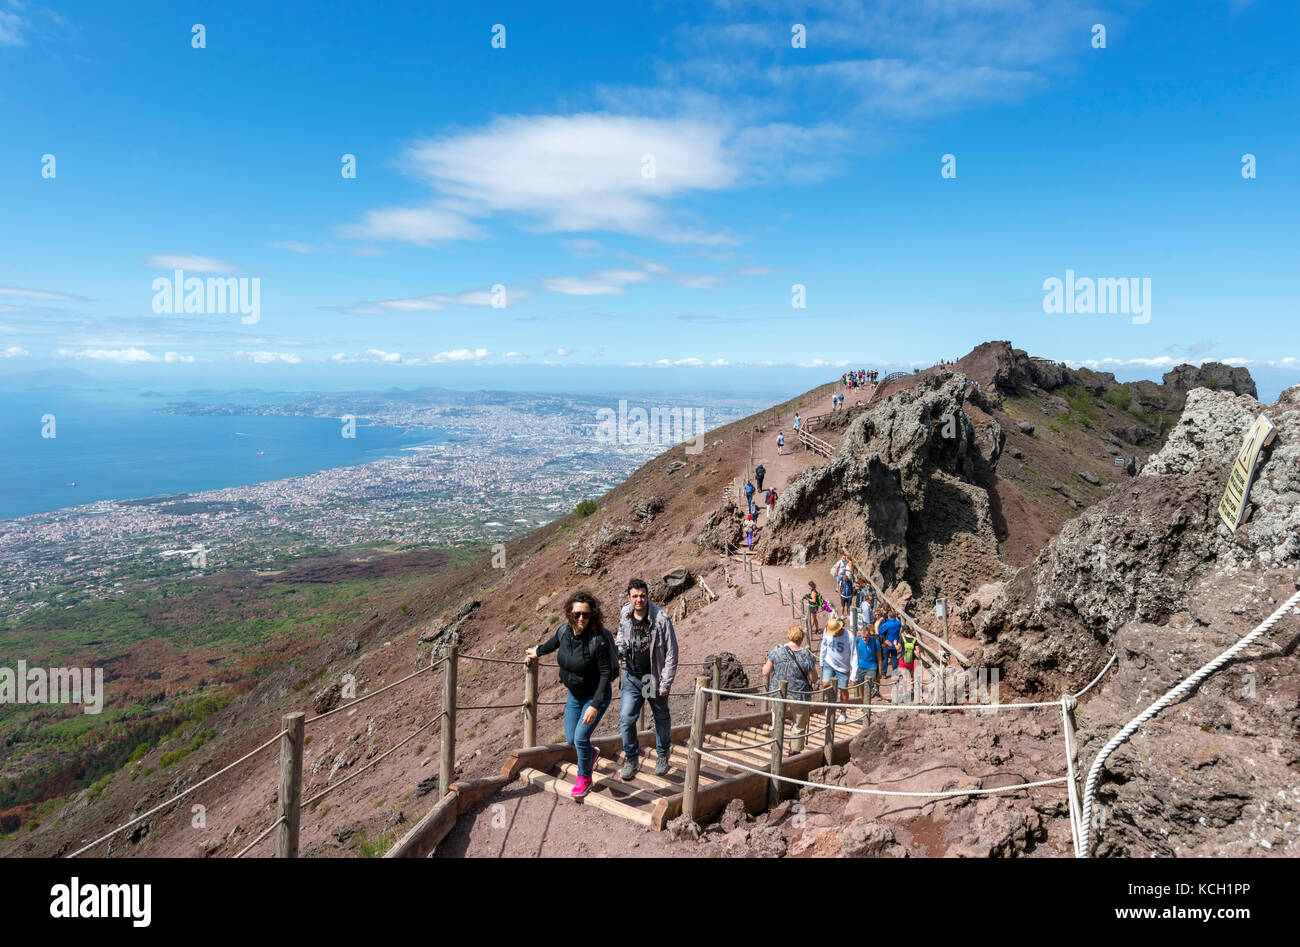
[[119, 446]]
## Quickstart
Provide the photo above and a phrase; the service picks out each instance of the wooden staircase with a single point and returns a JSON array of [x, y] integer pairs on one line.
[[653, 801]]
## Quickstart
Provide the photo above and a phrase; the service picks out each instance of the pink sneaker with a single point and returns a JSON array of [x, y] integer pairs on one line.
[[581, 787]]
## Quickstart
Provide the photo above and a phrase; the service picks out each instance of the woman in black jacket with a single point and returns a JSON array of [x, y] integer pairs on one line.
[[587, 665]]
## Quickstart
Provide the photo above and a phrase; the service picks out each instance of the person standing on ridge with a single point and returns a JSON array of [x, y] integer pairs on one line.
[[759, 473], [587, 664], [648, 646]]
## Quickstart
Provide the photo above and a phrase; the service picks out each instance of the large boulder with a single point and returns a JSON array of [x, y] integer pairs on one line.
[[1135, 555], [900, 494], [1182, 379]]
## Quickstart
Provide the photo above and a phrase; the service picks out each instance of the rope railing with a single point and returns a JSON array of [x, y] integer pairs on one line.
[[392, 749], [376, 693], [180, 795], [1086, 829], [874, 792], [852, 706], [265, 832]]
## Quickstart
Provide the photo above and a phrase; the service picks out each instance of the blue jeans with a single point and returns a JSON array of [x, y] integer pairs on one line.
[[890, 658], [578, 734], [629, 713]]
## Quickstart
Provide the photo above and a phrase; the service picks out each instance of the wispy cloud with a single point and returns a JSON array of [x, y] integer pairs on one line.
[[196, 264], [120, 356], [294, 246], [269, 358], [604, 283], [42, 295], [14, 351]]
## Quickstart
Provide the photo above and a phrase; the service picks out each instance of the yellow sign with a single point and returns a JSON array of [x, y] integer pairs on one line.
[[1233, 504]]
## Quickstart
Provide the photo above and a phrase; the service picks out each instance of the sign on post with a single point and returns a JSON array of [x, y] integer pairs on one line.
[[1233, 505]]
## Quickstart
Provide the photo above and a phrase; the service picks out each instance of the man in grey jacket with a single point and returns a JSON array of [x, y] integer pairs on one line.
[[647, 646]]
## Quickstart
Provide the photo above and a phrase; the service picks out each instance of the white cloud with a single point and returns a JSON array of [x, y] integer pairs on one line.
[[40, 294], [11, 28], [560, 173], [562, 352], [197, 264], [120, 356], [604, 283], [14, 351], [513, 355], [294, 246], [461, 355], [370, 355], [269, 358], [718, 361], [422, 226], [172, 358]]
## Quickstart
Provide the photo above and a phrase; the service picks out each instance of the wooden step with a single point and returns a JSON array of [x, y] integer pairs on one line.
[[562, 786]]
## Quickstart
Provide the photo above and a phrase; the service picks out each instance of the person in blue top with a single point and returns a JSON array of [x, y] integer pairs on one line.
[[780, 442], [749, 495], [846, 590], [866, 666], [889, 629]]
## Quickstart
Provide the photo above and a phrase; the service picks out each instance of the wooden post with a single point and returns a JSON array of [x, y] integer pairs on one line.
[[1073, 744], [693, 758], [945, 620], [290, 798], [778, 745], [530, 701], [447, 768], [717, 685], [761, 580], [832, 695]]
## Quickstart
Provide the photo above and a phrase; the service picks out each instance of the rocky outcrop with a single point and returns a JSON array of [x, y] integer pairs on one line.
[[1214, 775], [900, 493], [1136, 555], [1212, 375]]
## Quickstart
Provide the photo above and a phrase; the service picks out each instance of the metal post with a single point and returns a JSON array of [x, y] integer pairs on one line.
[[778, 745], [447, 768], [530, 701], [692, 757], [290, 797]]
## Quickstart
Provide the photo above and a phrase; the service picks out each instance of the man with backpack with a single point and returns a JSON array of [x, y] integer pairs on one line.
[[759, 473], [647, 645]]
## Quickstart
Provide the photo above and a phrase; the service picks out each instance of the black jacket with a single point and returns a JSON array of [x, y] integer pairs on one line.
[[586, 661]]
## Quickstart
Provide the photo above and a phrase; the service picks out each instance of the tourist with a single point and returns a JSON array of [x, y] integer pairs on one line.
[[796, 427], [749, 495], [846, 589], [866, 603], [836, 659], [792, 663], [759, 473], [780, 443], [648, 645], [749, 527], [771, 500], [909, 644], [840, 565], [587, 660], [888, 627], [815, 604], [866, 666]]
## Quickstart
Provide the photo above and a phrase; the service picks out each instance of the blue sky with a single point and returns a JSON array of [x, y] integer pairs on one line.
[[525, 167]]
